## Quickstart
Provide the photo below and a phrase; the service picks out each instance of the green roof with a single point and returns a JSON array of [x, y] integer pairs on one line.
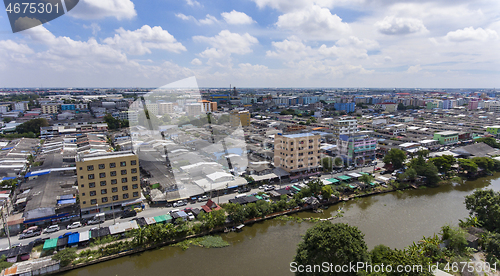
[[344, 177], [364, 173], [50, 244], [352, 187], [373, 184], [258, 197], [161, 218], [333, 180]]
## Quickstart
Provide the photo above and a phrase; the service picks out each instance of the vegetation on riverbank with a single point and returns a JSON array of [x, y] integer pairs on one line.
[[205, 241]]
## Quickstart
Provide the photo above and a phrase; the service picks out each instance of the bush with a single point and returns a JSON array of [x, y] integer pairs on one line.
[[65, 256]]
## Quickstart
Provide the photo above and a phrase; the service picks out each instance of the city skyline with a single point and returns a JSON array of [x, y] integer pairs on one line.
[[258, 43]]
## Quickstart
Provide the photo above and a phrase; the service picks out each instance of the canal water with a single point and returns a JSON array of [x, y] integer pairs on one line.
[[395, 219]]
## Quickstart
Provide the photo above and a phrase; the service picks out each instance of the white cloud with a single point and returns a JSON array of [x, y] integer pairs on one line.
[[314, 22], [391, 25], [193, 3], [471, 34], [294, 5], [235, 18], [414, 69], [290, 49], [95, 28], [141, 41], [196, 62], [353, 41], [97, 9], [11, 47], [227, 42], [208, 20]]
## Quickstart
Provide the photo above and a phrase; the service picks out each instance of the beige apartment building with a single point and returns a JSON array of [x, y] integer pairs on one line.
[[107, 182], [50, 108], [165, 108], [298, 154], [239, 117]]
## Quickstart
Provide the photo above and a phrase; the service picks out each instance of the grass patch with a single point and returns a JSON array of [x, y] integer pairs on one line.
[[38, 248], [206, 242]]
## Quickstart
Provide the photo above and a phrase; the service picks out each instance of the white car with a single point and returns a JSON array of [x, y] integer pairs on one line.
[[180, 203], [52, 228], [74, 225], [203, 198]]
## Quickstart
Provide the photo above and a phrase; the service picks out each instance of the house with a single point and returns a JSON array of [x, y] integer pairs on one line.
[[210, 206]]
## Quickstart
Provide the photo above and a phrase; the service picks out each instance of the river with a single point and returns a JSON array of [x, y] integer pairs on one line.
[[395, 219]]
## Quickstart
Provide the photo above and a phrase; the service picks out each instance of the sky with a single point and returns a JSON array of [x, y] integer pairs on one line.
[[259, 43]]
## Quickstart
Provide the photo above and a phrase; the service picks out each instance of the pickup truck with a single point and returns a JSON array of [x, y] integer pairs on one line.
[[29, 234]]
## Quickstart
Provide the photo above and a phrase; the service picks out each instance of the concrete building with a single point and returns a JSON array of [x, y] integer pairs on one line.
[[389, 107], [357, 148], [297, 153], [107, 182], [4, 108], [239, 117], [347, 107], [495, 130], [473, 104], [446, 137], [193, 109], [152, 108], [344, 126], [50, 108], [23, 106], [165, 108], [208, 106]]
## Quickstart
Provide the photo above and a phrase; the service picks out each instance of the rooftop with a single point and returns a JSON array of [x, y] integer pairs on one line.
[[300, 135], [90, 157]]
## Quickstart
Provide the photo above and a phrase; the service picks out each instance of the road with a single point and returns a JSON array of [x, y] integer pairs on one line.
[[156, 211]]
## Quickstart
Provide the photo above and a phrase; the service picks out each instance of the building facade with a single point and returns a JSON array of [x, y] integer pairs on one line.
[[165, 108], [347, 107], [446, 137], [193, 109], [298, 154], [239, 117], [357, 148], [50, 108], [344, 126], [107, 182]]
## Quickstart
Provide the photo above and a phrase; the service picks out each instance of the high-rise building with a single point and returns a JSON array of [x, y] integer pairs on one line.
[[165, 108], [208, 106], [344, 126], [239, 117], [50, 108], [193, 109], [108, 181], [297, 153]]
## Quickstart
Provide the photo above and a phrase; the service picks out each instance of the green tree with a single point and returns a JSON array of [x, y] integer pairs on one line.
[[337, 244], [492, 247], [366, 179], [456, 237], [327, 164], [33, 125], [485, 205], [65, 256], [382, 254], [338, 162], [490, 141], [395, 157], [484, 163], [410, 174], [235, 211], [213, 219], [467, 165], [327, 192], [443, 163]]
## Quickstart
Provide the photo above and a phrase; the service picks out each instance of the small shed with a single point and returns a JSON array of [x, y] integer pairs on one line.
[[50, 244], [73, 239], [150, 220], [62, 242]]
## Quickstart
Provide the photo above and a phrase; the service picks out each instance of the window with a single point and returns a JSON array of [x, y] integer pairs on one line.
[[125, 188], [104, 191], [83, 194], [113, 173], [83, 185], [134, 178], [123, 164], [103, 183], [124, 180], [104, 199], [113, 181], [92, 193], [125, 196], [124, 172], [115, 198], [135, 186], [81, 168], [91, 184], [291, 143], [85, 202], [135, 194], [112, 165], [91, 176], [93, 201], [90, 168], [134, 170], [102, 175], [101, 166], [81, 177], [114, 190], [133, 162]]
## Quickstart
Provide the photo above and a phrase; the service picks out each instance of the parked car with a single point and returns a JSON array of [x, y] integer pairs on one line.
[[29, 234], [378, 169], [16, 245], [128, 214], [180, 203], [243, 190], [203, 198], [190, 216], [51, 229], [269, 188], [39, 241], [67, 234], [74, 225]]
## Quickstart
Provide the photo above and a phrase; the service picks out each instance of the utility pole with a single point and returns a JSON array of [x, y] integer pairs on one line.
[[6, 228]]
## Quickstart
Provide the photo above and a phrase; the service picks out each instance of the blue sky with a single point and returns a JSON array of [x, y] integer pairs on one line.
[[258, 43]]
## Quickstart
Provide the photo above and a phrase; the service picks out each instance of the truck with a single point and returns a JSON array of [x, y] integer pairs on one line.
[[99, 218]]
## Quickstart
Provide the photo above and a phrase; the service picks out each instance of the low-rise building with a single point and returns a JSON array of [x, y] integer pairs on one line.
[[237, 117], [50, 108], [357, 148], [446, 137], [297, 153]]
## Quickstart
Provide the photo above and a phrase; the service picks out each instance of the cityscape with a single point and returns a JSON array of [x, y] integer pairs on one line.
[[270, 137]]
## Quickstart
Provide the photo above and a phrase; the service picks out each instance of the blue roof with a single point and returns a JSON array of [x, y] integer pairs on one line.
[[36, 173], [7, 148], [74, 238], [66, 201], [8, 178]]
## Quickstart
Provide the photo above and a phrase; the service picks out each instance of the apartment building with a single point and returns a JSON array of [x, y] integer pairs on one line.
[[193, 109], [108, 181], [344, 126], [237, 117], [50, 108], [165, 108], [297, 153], [152, 108], [208, 106], [357, 148]]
